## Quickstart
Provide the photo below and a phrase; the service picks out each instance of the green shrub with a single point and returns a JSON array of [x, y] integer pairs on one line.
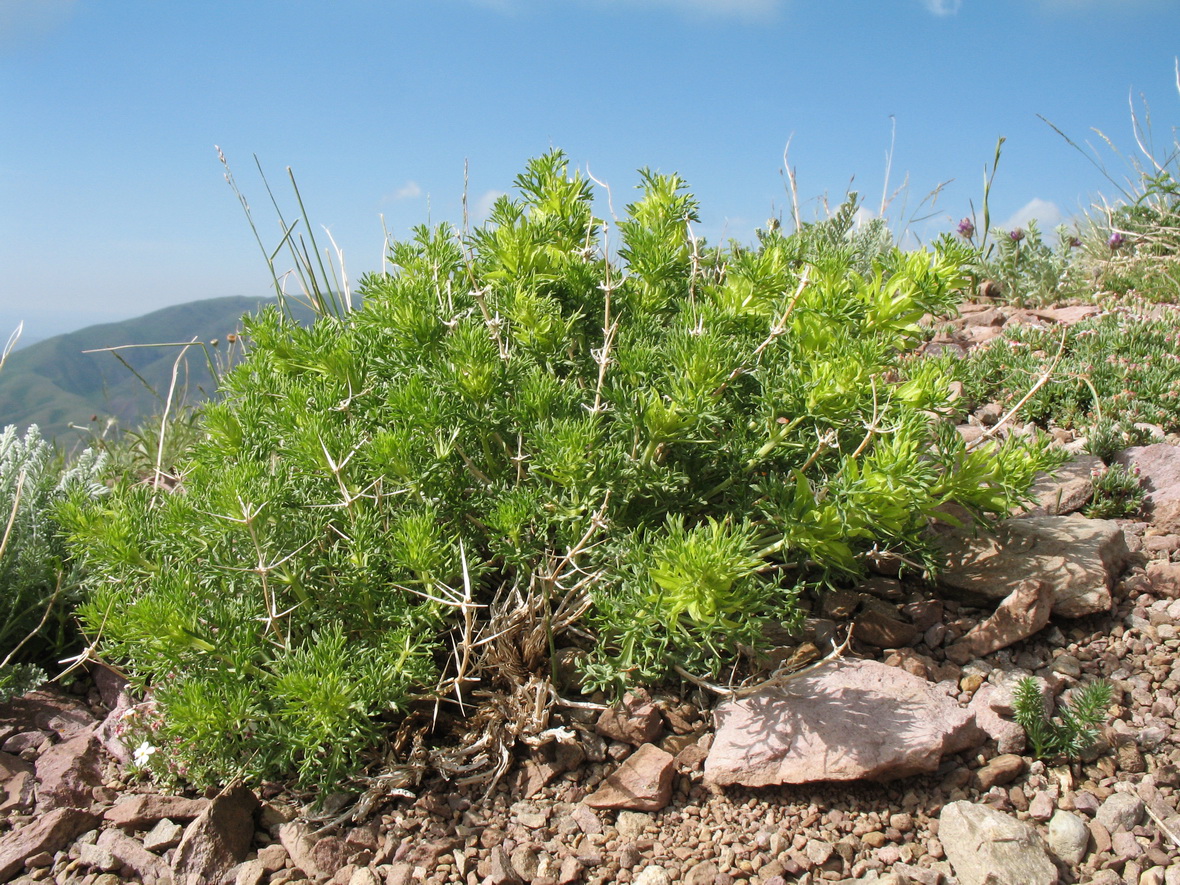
[[518, 442], [38, 586], [1027, 269]]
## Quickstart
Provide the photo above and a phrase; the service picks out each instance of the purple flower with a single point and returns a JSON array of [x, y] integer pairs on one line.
[[1075, 243], [1116, 240], [1016, 235], [966, 228]]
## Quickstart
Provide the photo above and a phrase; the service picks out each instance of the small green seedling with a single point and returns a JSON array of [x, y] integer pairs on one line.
[[1073, 732]]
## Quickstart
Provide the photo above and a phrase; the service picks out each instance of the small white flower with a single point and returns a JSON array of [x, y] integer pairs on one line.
[[143, 754]]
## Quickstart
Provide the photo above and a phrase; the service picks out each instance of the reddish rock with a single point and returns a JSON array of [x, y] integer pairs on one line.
[[252, 872], [1164, 578], [1009, 736], [112, 686], [51, 710], [1159, 475], [140, 812], [500, 870], [68, 772], [296, 837], [847, 720], [20, 793], [11, 766], [1021, 614], [50, 832], [17, 783], [131, 853], [28, 744], [1000, 771], [882, 631], [1068, 490], [217, 840], [273, 857], [330, 854], [925, 613], [109, 730], [642, 783], [636, 721], [1079, 559]]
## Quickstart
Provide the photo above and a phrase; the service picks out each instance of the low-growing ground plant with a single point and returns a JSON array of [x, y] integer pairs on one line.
[[1106, 438], [1122, 366], [1074, 730], [521, 443], [1117, 494]]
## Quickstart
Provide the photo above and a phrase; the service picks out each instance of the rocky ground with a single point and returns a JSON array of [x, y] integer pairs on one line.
[[777, 785]]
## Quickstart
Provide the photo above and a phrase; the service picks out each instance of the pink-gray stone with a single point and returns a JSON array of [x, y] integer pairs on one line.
[[164, 835], [1069, 837], [635, 721], [296, 837], [848, 720], [1120, 811], [1019, 615], [217, 840], [1164, 578], [1068, 490], [642, 783], [987, 847], [67, 773], [51, 710], [130, 852], [1159, 475], [1009, 736], [142, 811], [50, 832], [1079, 559]]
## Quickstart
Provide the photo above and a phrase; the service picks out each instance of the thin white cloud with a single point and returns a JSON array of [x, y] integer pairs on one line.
[[483, 206], [942, 7], [1047, 214], [408, 191], [862, 217], [411, 190]]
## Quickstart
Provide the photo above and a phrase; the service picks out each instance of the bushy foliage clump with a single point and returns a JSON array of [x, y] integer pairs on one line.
[[1028, 270], [38, 586], [650, 453]]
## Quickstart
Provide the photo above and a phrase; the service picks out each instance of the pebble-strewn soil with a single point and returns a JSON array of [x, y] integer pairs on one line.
[[804, 834]]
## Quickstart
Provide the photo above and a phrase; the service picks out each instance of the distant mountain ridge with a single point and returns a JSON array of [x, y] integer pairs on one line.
[[56, 385]]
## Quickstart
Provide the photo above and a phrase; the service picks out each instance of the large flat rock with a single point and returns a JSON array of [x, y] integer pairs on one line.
[[988, 847], [1079, 559], [848, 720], [1159, 474]]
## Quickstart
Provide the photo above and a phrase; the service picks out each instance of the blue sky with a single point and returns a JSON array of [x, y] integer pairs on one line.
[[112, 200]]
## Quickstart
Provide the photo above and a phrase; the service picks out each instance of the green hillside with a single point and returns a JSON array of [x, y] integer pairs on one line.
[[57, 385]]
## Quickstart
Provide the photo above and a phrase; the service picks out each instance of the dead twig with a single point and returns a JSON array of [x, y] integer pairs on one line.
[[777, 679]]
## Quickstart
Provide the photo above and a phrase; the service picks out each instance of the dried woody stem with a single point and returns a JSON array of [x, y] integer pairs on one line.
[[1040, 382], [777, 679]]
